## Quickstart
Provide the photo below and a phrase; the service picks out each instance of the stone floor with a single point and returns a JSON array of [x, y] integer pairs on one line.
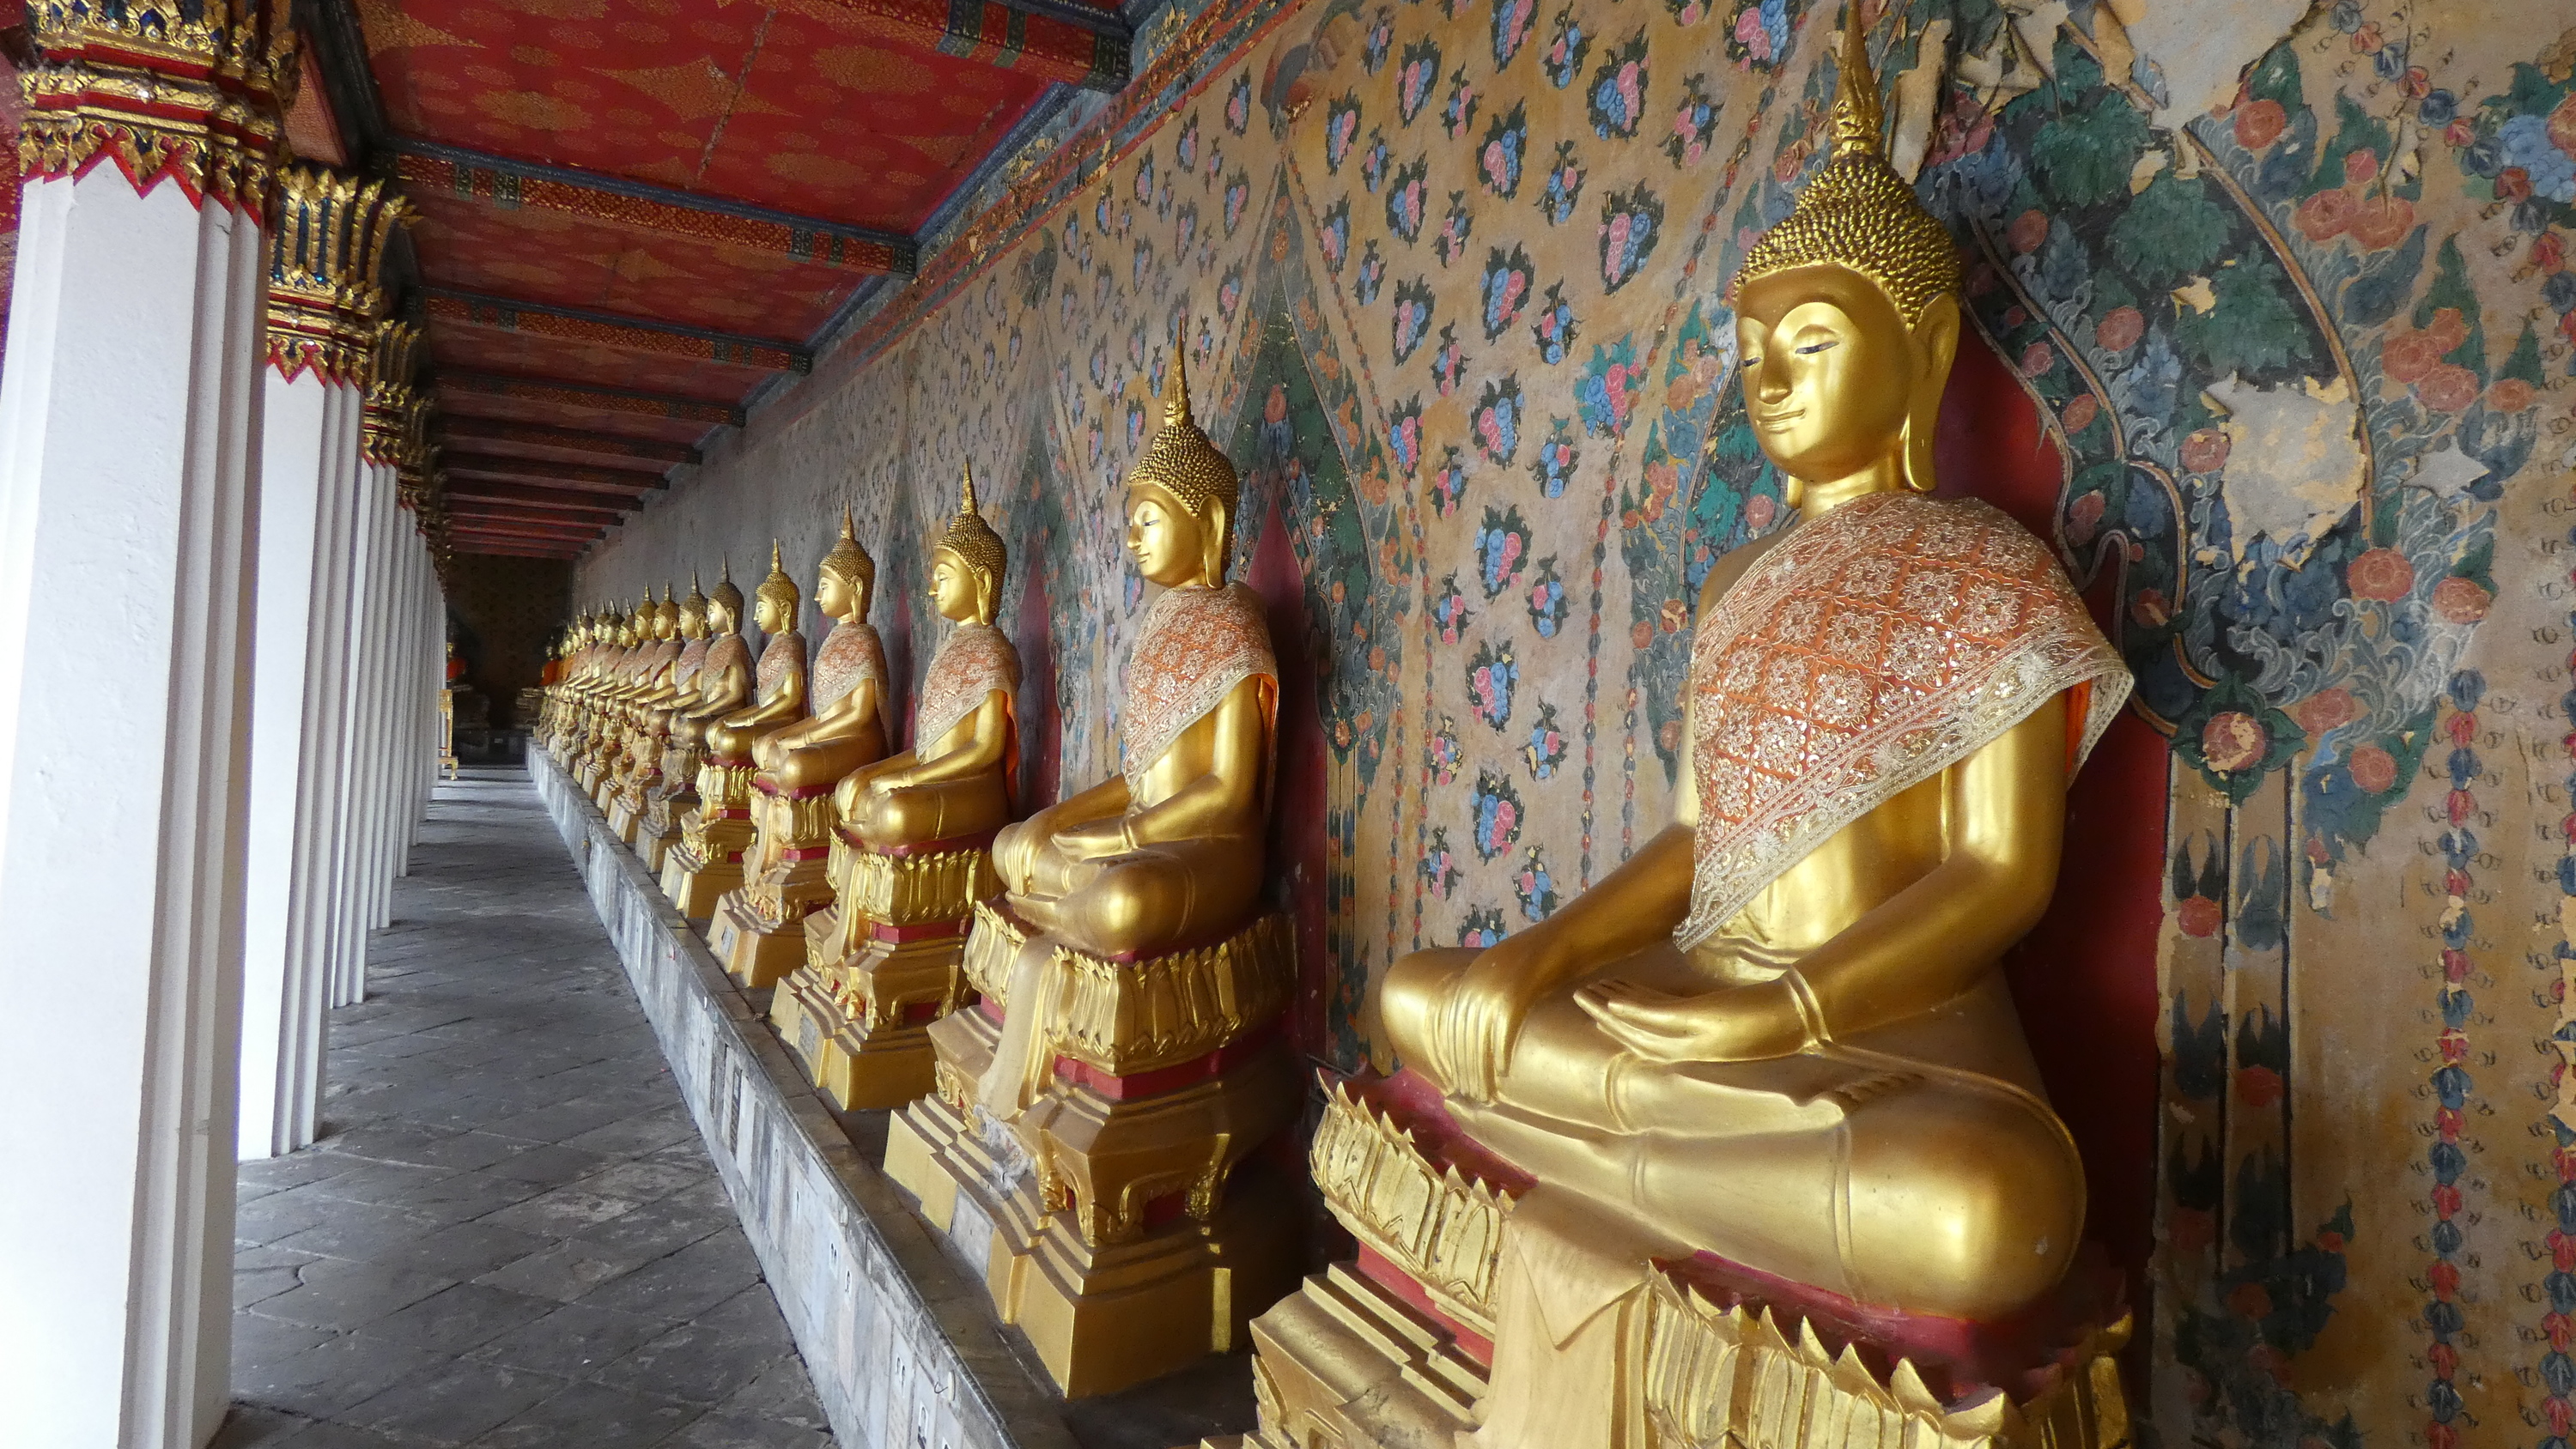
[[510, 1233]]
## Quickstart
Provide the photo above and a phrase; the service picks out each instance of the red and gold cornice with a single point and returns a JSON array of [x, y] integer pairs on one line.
[[323, 296], [194, 94], [590, 396], [392, 421], [632, 334]]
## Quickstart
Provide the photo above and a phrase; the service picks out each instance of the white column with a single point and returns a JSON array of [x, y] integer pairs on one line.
[[129, 460], [349, 919]]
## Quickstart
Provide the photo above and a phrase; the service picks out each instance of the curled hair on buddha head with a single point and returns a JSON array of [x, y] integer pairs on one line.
[[1182, 465], [726, 596], [778, 590], [973, 542], [850, 563], [1857, 215]]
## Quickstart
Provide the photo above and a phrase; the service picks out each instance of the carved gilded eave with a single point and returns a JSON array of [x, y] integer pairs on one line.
[[163, 91], [324, 295]]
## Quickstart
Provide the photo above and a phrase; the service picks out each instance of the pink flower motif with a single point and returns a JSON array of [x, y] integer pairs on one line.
[[1750, 34], [2382, 574], [2460, 600], [2234, 740]]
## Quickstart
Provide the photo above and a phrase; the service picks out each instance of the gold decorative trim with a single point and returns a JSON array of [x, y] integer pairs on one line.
[[1442, 1227], [992, 943], [196, 94], [912, 890], [323, 294], [1125, 1017], [1720, 1378]]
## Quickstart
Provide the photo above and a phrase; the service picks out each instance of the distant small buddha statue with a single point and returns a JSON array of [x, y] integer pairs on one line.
[[723, 686], [650, 737], [912, 854], [714, 835], [759, 928], [650, 672], [1137, 979], [1777, 1043], [634, 641]]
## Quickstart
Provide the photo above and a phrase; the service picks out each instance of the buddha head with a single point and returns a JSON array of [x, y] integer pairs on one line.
[[1847, 313], [666, 616], [724, 603], [1181, 496], [775, 602], [848, 579], [693, 611], [967, 562]]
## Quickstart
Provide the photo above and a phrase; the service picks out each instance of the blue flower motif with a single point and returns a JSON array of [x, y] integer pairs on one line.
[[2437, 108], [2527, 145]]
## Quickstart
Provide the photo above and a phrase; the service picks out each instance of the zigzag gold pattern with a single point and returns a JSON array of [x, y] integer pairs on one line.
[[194, 94], [1125, 1017], [1440, 1226]]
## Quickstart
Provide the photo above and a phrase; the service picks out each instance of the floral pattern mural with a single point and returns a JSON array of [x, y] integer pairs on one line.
[[2282, 290]]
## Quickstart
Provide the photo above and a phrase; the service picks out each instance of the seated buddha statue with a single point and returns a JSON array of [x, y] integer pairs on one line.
[[649, 674], [759, 928], [1123, 1064], [634, 633], [649, 738], [1169, 852], [1778, 1036], [955, 780], [722, 687], [714, 835], [911, 852]]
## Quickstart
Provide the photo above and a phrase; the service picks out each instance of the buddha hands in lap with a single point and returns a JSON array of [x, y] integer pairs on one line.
[[724, 684], [1778, 1033], [1168, 853], [847, 681], [955, 781]]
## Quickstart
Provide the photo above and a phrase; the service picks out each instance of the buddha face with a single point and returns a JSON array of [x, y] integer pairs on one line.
[[1164, 538], [953, 590], [770, 614], [721, 620], [1832, 373], [839, 597]]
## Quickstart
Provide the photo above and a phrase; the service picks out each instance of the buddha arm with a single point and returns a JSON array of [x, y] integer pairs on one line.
[[786, 704], [723, 695], [2005, 809], [981, 752], [855, 707], [1217, 801]]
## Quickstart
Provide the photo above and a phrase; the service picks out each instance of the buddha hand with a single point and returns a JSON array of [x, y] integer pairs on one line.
[[1480, 1016], [1749, 1023]]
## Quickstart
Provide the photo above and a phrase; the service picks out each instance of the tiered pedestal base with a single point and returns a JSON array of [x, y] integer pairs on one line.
[[759, 930], [1102, 1214], [1392, 1351], [881, 963], [707, 863]]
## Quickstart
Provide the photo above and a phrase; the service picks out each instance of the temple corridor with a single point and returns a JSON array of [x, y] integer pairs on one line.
[[509, 1232]]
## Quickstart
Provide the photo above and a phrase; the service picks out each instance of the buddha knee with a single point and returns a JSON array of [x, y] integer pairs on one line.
[[1403, 1003], [1117, 917], [1965, 1207]]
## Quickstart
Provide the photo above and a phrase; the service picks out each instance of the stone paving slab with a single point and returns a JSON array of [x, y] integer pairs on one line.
[[510, 1235]]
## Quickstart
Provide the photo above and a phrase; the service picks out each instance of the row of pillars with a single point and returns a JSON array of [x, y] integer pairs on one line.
[[221, 647]]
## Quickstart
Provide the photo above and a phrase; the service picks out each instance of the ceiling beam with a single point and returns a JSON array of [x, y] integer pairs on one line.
[[432, 168], [619, 481], [487, 511], [588, 395], [608, 329], [471, 490], [605, 445], [1057, 40], [499, 548], [489, 529]]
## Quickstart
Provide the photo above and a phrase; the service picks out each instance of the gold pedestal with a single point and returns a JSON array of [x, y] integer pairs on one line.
[[1102, 1212], [1392, 1351], [759, 929], [882, 963], [707, 863], [666, 805]]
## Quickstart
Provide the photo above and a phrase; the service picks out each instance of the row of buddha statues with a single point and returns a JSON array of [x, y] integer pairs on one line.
[[1743, 1140]]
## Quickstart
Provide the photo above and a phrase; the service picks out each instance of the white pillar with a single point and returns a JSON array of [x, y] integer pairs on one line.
[[349, 920], [322, 334], [129, 458]]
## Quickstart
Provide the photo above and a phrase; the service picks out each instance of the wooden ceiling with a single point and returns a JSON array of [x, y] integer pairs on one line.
[[634, 215]]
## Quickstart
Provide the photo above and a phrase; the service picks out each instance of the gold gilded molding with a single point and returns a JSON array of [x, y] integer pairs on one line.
[[1718, 1378], [911, 890], [1442, 1227], [392, 408], [195, 94], [992, 943], [1125, 1017], [323, 295]]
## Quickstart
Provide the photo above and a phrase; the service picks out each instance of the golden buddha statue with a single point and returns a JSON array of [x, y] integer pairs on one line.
[[655, 658], [713, 836], [648, 739], [1770, 1059], [723, 686], [911, 854], [634, 632], [759, 928], [1125, 1055]]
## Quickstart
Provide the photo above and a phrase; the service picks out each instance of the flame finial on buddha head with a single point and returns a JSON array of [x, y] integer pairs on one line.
[[849, 562], [778, 590], [973, 540]]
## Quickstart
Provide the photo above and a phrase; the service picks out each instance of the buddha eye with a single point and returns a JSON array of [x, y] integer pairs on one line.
[[1812, 348]]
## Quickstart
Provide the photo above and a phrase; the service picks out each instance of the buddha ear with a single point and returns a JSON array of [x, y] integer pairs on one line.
[[1218, 540], [1936, 342]]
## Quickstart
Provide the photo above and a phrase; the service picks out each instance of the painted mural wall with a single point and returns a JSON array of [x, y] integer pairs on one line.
[[2275, 317]]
